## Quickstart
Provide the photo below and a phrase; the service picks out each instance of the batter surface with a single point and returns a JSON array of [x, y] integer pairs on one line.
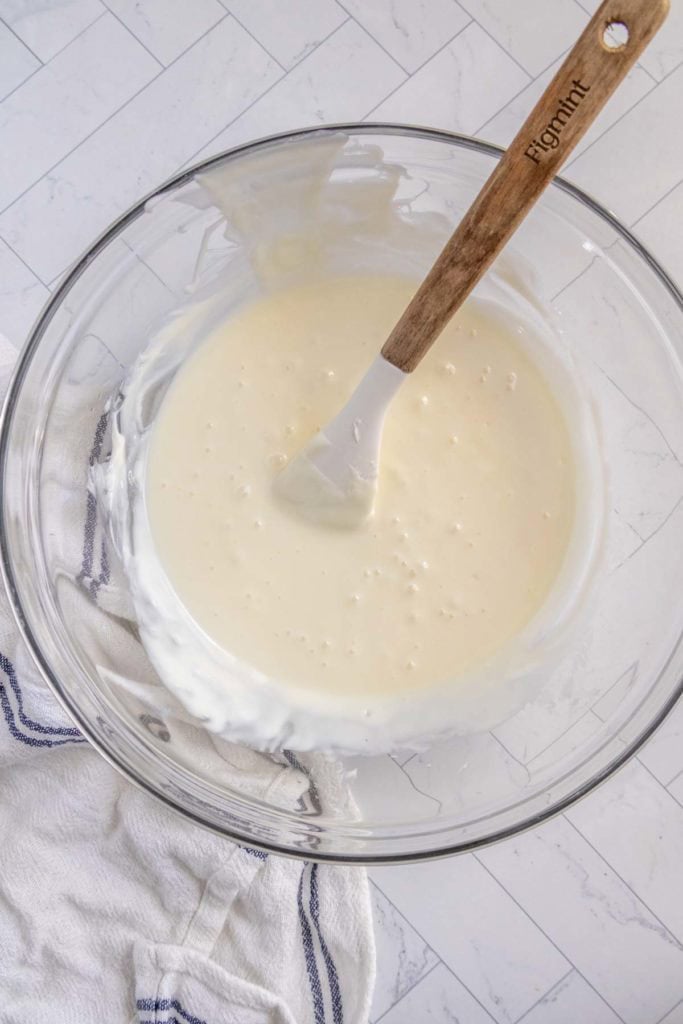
[[474, 510]]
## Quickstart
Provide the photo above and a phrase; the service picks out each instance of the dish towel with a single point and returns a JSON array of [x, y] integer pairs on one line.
[[114, 908]]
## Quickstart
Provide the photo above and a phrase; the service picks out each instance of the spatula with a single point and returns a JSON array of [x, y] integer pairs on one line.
[[333, 480]]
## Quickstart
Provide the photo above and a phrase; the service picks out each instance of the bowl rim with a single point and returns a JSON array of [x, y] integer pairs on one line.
[[20, 369]]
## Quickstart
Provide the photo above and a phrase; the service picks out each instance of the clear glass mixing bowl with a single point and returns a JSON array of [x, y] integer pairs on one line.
[[609, 689]]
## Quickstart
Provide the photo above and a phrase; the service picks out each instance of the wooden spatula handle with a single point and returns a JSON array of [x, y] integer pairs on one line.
[[567, 108]]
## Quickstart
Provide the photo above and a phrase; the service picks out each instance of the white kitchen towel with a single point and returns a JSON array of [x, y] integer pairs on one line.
[[114, 908]]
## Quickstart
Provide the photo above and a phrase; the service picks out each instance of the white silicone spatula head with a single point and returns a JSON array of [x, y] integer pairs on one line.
[[334, 479]]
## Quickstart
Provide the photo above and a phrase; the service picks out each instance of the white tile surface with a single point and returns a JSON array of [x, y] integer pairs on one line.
[[663, 754], [66, 100], [16, 61], [570, 942], [605, 930], [576, 735], [607, 656], [8, 353], [501, 128], [219, 76], [289, 39], [47, 26], [452, 772], [460, 88], [163, 26], [21, 297], [340, 81], [374, 781], [468, 919], [555, 27], [676, 788], [675, 1016], [410, 30], [638, 828], [655, 230], [621, 168], [403, 957], [438, 999], [572, 1001], [665, 51]]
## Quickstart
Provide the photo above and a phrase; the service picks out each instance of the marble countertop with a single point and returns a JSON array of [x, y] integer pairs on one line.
[[582, 919]]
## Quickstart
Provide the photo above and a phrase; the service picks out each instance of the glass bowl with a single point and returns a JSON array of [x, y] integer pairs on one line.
[[608, 689]]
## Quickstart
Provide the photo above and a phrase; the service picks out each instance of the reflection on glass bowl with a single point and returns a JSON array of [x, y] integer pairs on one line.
[[605, 691]]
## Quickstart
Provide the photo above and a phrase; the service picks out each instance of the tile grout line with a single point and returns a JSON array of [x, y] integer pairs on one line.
[[23, 261], [622, 116], [514, 97], [430, 947], [656, 203], [421, 792], [56, 54], [545, 995], [646, 72], [532, 78], [264, 93], [422, 65], [113, 114], [258, 41], [527, 764], [638, 64], [77, 36], [469, 990], [296, 63], [548, 937], [664, 785], [679, 802], [674, 940], [146, 265], [577, 156], [406, 993], [599, 255], [20, 40], [374, 39], [564, 287], [520, 91], [672, 512], [648, 416], [403, 917], [136, 37], [505, 749], [320, 42], [674, 1007], [27, 79]]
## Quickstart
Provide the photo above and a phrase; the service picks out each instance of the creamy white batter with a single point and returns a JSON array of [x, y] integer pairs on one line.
[[473, 516]]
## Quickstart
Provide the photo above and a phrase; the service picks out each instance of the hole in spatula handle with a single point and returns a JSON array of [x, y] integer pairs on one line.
[[615, 35]]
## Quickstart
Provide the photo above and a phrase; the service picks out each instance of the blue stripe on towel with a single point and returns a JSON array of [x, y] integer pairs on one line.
[[169, 1020], [294, 762], [309, 956], [332, 976], [52, 730], [259, 854], [162, 1005], [65, 734]]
